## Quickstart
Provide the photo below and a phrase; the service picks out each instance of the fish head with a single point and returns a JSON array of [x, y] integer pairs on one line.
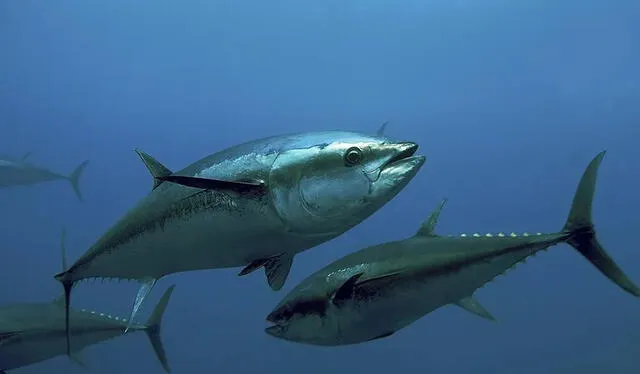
[[326, 183], [305, 316]]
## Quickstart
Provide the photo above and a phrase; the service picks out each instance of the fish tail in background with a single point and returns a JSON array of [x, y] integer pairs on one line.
[[581, 231], [74, 178], [154, 324]]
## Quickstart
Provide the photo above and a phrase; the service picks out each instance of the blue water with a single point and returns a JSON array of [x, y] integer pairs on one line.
[[509, 100]]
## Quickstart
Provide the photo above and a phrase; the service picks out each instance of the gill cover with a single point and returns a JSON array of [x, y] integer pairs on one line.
[[313, 188]]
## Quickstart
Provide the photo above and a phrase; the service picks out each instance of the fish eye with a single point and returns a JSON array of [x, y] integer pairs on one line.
[[353, 156]]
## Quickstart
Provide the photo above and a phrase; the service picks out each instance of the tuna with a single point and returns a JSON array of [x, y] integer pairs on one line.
[[255, 205], [21, 173], [372, 293], [34, 332]]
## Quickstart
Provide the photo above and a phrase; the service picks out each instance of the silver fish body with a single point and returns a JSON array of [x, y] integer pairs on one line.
[[179, 228], [255, 205], [372, 293]]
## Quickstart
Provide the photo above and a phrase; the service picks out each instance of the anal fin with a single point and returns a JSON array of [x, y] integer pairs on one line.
[[473, 306]]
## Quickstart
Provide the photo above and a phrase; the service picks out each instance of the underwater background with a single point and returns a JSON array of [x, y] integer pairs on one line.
[[509, 101]]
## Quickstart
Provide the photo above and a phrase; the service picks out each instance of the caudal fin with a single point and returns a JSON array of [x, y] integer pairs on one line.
[[582, 232], [61, 277], [74, 178], [154, 324]]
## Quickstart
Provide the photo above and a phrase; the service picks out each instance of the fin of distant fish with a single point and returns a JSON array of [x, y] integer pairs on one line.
[[26, 156], [473, 306], [74, 179], [382, 128], [154, 326], [276, 269], [428, 228], [156, 169], [143, 292]]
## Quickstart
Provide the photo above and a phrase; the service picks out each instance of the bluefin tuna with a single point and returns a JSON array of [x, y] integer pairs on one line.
[[20, 172], [255, 205], [372, 293], [34, 332]]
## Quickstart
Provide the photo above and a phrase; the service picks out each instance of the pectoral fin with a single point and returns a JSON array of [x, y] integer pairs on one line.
[[277, 270], [253, 266], [214, 184], [472, 305], [365, 287], [347, 290]]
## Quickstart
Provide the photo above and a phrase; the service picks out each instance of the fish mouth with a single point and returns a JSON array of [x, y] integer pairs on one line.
[[275, 330], [405, 153], [277, 327]]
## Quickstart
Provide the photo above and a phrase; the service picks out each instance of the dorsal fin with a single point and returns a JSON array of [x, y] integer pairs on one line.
[[156, 169], [26, 156], [428, 227], [382, 128]]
